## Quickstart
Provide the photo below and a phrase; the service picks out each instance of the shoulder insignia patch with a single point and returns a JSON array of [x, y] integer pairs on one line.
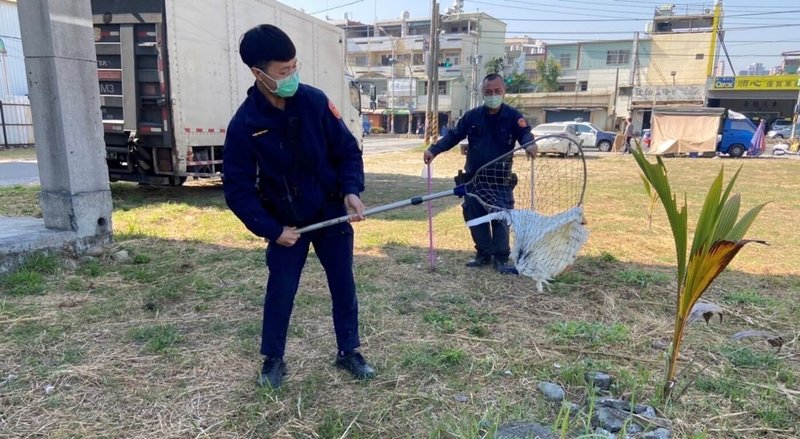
[[334, 110], [522, 122]]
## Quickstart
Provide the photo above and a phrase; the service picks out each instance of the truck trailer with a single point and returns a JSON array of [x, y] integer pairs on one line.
[[170, 79]]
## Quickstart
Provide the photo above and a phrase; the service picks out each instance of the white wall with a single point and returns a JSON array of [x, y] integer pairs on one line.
[[12, 65]]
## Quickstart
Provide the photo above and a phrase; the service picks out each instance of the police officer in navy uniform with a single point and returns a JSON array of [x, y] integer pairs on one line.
[[290, 161], [491, 130]]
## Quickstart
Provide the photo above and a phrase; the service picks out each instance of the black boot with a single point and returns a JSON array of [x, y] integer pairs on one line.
[[355, 363], [503, 267], [272, 372], [479, 261]]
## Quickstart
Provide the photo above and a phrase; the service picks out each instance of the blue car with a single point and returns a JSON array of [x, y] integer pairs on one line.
[[591, 136]]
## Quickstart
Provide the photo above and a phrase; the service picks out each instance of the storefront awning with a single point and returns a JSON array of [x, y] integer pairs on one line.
[[397, 111]]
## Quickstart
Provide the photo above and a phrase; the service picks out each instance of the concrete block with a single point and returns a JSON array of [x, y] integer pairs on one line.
[[21, 236], [57, 28], [85, 214]]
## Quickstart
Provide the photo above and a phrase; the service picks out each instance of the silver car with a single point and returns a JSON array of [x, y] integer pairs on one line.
[[784, 133], [563, 146]]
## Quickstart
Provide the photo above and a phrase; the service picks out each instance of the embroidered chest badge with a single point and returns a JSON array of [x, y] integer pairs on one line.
[[334, 110]]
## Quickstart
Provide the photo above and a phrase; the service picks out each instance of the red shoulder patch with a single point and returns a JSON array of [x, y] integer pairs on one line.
[[334, 110], [522, 122]]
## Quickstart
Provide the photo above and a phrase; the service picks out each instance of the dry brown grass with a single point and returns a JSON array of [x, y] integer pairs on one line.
[[167, 346]]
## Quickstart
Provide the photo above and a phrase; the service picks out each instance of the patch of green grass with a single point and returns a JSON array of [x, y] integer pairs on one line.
[[249, 330], [28, 333], [91, 268], [74, 284], [141, 259], [574, 374], [334, 424], [746, 358], [440, 321], [430, 359], [157, 339], [726, 385], [29, 279], [23, 283], [746, 297], [592, 333], [479, 331], [775, 415], [641, 278]]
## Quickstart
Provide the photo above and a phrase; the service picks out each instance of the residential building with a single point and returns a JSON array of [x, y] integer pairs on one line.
[[754, 69], [521, 56], [791, 62], [389, 58], [603, 82]]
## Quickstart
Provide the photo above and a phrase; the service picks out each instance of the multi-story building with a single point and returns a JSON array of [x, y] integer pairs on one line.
[[521, 56], [605, 81], [754, 69], [389, 58]]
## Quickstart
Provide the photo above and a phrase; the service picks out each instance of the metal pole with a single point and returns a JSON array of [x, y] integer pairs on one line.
[[795, 118], [435, 91], [3, 122], [391, 90], [431, 61], [614, 104]]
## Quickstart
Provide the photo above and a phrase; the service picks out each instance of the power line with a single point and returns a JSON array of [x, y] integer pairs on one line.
[[335, 7]]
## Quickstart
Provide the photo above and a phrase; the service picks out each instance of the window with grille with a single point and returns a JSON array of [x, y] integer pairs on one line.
[[618, 56]]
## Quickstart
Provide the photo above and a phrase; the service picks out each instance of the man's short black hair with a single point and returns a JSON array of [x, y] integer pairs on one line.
[[492, 77], [265, 43]]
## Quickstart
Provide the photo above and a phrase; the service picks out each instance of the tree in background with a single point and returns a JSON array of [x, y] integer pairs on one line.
[[495, 65], [518, 83], [549, 72]]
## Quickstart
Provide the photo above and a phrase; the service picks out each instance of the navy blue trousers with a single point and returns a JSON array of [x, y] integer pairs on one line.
[[334, 248], [491, 239]]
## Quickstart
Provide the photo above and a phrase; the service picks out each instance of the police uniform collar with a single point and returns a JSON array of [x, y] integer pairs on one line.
[[259, 108]]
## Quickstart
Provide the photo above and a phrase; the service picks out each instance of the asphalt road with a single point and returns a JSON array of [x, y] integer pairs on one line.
[[26, 172], [14, 173]]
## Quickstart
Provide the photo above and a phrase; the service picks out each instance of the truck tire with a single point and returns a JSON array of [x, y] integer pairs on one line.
[[736, 150], [604, 146]]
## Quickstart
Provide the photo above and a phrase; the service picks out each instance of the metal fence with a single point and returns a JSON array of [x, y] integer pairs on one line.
[[16, 122]]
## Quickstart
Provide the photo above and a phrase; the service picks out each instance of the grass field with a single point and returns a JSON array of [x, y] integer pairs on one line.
[[166, 344], [17, 154]]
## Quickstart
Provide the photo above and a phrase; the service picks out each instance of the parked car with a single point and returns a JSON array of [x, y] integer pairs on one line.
[[591, 136], [783, 132], [779, 124], [564, 146]]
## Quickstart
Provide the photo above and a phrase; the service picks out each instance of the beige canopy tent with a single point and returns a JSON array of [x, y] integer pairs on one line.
[[677, 130]]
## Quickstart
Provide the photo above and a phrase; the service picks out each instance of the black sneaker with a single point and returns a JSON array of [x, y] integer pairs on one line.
[[355, 363], [479, 261], [505, 268], [272, 372]]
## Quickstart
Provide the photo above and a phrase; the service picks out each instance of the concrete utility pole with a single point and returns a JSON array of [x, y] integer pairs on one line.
[[432, 112], [58, 41]]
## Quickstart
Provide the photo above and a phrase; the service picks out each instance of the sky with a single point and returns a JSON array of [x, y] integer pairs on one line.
[[755, 31]]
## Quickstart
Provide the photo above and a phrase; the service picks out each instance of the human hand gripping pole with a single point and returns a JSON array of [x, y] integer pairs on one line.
[[483, 186]]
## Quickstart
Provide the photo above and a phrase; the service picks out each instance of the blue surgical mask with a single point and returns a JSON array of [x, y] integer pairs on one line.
[[284, 87], [494, 101]]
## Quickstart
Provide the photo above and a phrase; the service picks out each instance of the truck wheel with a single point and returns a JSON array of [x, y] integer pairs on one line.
[[604, 146], [736, 150]]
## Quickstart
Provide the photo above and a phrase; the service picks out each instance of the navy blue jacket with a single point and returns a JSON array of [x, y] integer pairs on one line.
[[282, 167], [489, 135]]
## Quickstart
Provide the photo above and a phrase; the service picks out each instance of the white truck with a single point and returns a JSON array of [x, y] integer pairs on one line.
[[171, 78]]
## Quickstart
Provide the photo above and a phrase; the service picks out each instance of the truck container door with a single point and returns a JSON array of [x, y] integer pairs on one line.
[[134, 97]]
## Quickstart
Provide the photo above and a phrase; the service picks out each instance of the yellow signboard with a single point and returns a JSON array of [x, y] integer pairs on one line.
[[781, 82]]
